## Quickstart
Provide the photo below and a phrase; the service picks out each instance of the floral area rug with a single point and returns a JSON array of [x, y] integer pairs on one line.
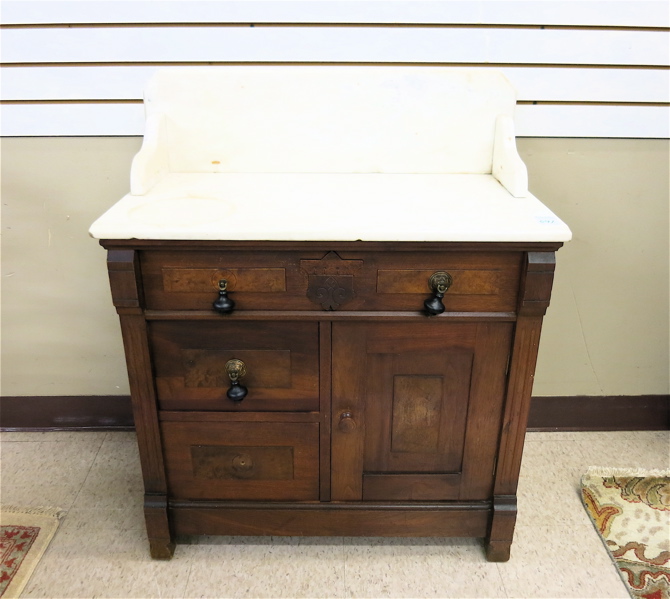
[[631, 511], [25, 534]]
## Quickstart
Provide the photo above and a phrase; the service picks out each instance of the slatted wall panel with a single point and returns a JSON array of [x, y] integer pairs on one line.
[[581, 69]]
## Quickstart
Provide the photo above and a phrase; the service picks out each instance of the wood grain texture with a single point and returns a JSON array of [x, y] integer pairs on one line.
[[282, 363], [485, 411], [206, 280], [348, 413], [470, 362], [411, 487], [355, 520], [503, 519], [143, 396], [159, 529], [325, 416], [483, 281], [242, 460], [373, 420], [124, 278]]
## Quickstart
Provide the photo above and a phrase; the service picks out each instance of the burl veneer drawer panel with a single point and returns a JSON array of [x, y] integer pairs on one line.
[[486, 281], [257, 280], [242, 460], [281, 359], [330, 280]]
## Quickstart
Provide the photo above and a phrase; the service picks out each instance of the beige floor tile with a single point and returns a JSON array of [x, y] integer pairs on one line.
[[105, 553], [551, 470], [108, 572], [46, 472], [27, 495], [548, 492], [648, 450], [53, 436], [538, 437], [101, 548], [420, 568], [115, 478], [557, 562], [95, 522], [266, 567]]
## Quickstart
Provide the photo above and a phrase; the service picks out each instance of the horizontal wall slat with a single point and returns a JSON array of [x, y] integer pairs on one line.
[[640, 13], [540, 120], [531, 83], [593, 121], [335, 44]]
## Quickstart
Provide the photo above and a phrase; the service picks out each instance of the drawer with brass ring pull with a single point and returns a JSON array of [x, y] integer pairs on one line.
[[332, 279], [236, 366]]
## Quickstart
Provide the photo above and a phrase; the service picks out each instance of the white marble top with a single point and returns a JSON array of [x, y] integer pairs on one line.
[[329, 154], [330, 207]]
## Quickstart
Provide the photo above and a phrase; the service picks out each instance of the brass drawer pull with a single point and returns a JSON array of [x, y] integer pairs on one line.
[[439, 282], [223, 304], [236, 369]]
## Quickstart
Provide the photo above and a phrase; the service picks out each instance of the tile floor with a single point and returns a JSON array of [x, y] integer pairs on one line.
[[100, 548]]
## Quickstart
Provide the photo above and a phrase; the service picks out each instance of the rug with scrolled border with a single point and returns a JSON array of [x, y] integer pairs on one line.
[[630, 509], [25, 533]]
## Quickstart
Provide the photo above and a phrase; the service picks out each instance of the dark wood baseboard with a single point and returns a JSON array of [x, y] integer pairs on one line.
[[571, 413], [600, 413], [66, 413]]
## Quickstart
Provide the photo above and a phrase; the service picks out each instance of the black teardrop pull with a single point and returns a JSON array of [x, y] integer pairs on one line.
[[223, 304], [439, 283], [236, 392], [434, 305]]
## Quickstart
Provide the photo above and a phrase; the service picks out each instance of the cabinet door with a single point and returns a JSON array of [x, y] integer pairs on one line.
[[417, 409]]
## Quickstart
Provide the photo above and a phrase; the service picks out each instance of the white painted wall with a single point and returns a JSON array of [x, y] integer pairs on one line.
[[78, 68]]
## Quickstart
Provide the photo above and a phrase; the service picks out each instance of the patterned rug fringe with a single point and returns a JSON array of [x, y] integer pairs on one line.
[[602, 471], [51, 512]]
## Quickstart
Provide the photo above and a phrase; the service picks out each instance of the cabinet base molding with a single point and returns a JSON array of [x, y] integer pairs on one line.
[[468, 519], [563, 413]]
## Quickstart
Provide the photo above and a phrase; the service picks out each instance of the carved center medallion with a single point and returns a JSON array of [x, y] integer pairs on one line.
[[330, 280]]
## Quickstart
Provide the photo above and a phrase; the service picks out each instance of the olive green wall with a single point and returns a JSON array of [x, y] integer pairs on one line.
[[606, 332]]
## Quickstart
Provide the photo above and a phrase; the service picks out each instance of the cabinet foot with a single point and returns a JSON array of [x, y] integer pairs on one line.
[[161, 548], [498, 551], [499, 541], [161, 543]]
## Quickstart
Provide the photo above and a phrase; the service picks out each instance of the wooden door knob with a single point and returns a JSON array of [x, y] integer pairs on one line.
[[347, 422]]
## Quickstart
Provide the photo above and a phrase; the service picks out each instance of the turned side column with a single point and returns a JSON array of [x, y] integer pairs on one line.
[[125, 282], [535, 292]]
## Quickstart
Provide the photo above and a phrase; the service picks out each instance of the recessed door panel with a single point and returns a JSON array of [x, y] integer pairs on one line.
[[409, 419]]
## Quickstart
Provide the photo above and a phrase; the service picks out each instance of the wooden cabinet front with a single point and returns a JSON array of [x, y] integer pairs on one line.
[[416, 407], [363, 415]]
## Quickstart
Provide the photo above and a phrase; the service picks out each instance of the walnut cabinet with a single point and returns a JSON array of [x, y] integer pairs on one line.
[[362, 414]]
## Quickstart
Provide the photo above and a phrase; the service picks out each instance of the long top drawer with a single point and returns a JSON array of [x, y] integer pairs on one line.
[[329, 280]]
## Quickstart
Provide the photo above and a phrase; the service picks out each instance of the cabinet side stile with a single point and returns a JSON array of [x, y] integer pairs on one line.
[[125, 282]]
